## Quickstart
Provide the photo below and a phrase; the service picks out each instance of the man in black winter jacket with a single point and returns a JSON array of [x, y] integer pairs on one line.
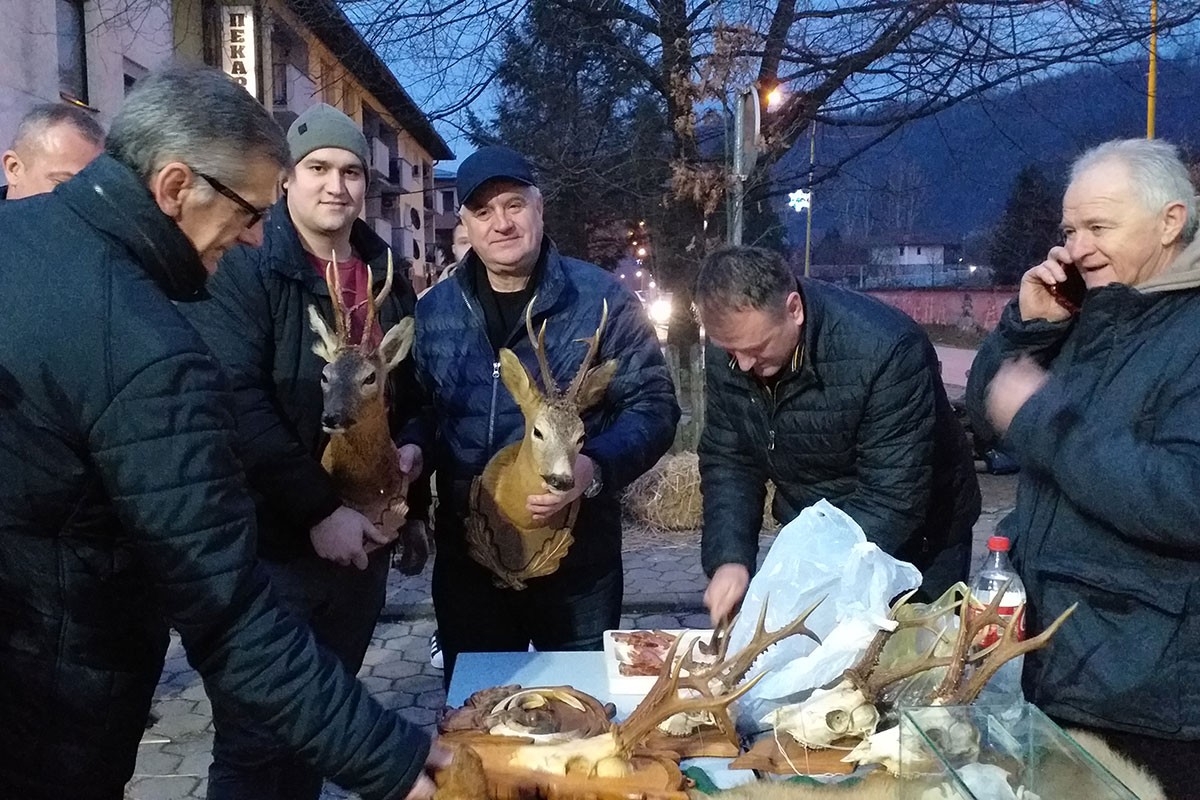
[[123, 508], [328, 563], [828, 394]]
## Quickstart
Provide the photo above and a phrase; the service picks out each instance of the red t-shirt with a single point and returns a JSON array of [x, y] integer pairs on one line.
[[352, 276]]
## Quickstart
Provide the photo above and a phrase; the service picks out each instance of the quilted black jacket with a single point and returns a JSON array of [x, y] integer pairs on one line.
[[864, 423], [123, 510], [257, 325]]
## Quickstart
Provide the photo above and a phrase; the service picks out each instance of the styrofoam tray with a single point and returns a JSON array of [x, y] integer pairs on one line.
[[641, 684]]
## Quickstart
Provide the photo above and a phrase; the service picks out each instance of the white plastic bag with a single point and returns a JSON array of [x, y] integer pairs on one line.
[[821, 553]]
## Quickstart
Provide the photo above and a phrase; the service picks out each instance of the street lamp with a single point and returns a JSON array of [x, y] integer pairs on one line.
[[747, 130], [641, 251]]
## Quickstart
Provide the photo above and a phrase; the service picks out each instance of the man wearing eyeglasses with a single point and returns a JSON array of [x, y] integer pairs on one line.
[[124, 506], [328, 563]]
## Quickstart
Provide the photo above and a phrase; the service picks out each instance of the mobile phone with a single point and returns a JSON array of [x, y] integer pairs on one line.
[[1069, 293]]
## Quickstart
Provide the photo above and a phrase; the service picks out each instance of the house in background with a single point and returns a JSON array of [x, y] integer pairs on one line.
[[914, 249]]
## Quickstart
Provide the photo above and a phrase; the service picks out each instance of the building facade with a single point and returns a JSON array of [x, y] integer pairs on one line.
[[290, 54], [84, 52]]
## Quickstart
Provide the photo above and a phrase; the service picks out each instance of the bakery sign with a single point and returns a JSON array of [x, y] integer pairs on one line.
[[239, 57]]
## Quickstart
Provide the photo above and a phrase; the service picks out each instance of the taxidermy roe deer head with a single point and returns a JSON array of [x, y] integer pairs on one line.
[[360, 456], [544, 460], [501, 532]]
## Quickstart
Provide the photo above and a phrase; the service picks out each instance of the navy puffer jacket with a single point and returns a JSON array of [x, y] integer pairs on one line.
[[627, 432]]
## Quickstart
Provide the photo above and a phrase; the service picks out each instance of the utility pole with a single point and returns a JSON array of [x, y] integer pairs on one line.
[[812, 159], [1152, 78], [746, 123]]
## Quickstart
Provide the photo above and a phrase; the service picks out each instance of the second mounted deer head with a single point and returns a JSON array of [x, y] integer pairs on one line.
[[554, 432], [501, 532]]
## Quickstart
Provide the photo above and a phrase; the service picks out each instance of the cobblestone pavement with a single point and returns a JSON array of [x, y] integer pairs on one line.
[[663, 589]]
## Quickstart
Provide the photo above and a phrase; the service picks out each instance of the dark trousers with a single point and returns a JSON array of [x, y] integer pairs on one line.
[[341, 605], [1175, 763], [567, 610]]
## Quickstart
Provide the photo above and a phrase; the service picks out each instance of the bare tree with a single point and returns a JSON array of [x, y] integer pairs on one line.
[[871, 64]]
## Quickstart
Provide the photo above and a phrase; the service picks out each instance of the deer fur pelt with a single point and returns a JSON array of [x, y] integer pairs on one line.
[[883, 786]]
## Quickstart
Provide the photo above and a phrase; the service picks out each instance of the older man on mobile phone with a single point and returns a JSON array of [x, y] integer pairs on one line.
[[1098, 397]]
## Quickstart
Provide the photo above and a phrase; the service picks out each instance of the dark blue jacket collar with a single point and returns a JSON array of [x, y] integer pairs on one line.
[[551, 288], [111, 198]]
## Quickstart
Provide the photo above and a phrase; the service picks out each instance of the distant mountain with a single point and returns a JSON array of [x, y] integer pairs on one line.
[[950, 174]]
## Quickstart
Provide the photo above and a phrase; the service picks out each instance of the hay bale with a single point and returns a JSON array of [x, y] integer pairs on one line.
[[667, 497]]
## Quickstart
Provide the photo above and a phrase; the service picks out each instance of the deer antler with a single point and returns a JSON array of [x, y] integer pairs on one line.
[[954, 692], [341, 321], [713, 686], [871, 680], [374, 301], [539, 347], [593, 343], [868, 678], [729, 672], [663, 702]]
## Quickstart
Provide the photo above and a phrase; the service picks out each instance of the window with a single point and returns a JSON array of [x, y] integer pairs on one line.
[[279, 84], [72, 54], [918, 250], [447, 202], [416, 219], [134, 72]]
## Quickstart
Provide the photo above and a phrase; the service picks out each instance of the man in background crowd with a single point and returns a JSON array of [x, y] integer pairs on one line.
[[54, 141]]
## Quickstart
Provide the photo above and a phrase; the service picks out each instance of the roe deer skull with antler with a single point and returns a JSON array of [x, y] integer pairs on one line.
[[683, 687], [360, 455], [828, 716], [501, 532]]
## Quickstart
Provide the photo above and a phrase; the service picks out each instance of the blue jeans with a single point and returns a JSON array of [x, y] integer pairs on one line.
[[567, 610], [341, 605]]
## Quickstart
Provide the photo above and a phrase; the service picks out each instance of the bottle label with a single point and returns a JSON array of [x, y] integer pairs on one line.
[[1012, 605]]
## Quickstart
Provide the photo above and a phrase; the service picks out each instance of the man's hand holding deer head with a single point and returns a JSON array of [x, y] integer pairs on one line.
[[344, 536], [543, 507]]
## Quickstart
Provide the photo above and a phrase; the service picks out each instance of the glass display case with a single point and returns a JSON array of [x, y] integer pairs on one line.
[[978, 752]]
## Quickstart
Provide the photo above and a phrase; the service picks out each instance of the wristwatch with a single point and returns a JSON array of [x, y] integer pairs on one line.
[[597, 483]]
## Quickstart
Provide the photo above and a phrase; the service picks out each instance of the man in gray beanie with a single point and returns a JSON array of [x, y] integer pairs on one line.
[[327, 562]]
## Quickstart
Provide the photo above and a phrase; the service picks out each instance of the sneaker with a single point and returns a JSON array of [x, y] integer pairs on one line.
[[435, 652], [1000, 463]]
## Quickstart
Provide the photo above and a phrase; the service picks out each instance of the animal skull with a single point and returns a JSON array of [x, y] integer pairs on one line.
[[828, 715], [955, 736]]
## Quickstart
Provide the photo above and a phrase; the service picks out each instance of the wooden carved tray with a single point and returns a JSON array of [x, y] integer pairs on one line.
[[656, 776]]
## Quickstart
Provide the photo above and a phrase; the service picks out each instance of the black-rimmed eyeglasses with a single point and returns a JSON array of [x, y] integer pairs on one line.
[[255, 213]]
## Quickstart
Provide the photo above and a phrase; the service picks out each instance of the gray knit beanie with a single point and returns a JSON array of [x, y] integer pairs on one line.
[[324, 126]]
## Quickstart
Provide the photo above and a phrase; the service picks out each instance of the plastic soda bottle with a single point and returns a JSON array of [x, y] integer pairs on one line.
[[993, 575]]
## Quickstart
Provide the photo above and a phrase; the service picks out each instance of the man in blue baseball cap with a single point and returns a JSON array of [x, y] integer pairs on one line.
[[462, 323]]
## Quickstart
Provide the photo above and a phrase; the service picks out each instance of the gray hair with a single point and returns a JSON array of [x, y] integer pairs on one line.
[[42, 118], [198, 116], [1156, 171], [737, 278]]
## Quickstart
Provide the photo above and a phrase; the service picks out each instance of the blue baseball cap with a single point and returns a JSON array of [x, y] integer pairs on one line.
[[490, 164]]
